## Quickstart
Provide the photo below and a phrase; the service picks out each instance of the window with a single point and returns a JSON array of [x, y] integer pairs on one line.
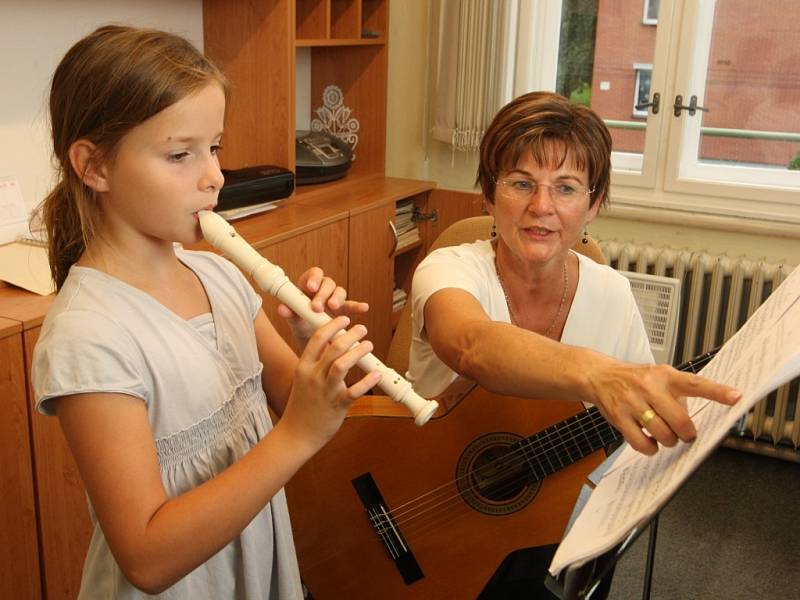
[[641, 90], [724, 142], [650, 12]]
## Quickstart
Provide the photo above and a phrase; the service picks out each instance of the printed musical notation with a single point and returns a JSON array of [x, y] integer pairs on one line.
[[763, 355]]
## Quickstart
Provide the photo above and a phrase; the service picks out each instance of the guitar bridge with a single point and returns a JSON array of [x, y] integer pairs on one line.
[[382, 521]]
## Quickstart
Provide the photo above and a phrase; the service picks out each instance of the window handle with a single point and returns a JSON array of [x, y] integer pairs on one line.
[[655, 103], [692, 108]]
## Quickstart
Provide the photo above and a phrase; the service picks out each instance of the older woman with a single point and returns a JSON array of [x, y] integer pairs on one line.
[[524, 315]]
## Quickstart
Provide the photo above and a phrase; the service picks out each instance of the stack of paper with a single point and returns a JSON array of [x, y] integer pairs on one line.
[[763, 355], [398, 299], [24, 264], [406, 227]]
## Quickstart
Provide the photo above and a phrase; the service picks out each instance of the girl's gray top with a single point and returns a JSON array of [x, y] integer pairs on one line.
[[200, 381]]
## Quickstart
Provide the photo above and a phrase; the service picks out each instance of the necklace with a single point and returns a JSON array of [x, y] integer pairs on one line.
[[511, 308]]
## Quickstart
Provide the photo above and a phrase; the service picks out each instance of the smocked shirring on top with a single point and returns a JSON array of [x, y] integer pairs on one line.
[[241, 415]]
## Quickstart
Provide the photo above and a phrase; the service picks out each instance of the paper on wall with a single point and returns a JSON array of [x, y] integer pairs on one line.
[[13, 212]]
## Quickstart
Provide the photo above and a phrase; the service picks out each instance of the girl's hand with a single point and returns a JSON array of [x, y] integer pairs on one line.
[[319, 398], [325, 296], [647, 403]]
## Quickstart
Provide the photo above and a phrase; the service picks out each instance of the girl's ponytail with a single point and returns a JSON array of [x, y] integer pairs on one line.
[[67, 232]]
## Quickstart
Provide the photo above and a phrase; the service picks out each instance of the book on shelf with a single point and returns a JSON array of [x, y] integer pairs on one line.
[[404, 224], [399, 298], [407, 238]]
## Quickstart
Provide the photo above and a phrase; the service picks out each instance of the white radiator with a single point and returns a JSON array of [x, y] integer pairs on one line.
[[718, 294]]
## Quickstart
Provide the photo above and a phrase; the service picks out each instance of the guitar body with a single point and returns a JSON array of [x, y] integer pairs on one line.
[[457, 543]]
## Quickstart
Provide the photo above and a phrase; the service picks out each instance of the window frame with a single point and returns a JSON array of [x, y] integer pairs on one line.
[[638, 68], [717, 183], [650, 186], [646, 18]]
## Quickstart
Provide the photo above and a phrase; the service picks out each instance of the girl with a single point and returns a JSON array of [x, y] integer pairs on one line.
[[158, 362]]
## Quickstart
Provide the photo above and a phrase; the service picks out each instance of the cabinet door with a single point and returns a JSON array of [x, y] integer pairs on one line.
[[19, 575], [325, 247], [450, 206], [371, 272], [64, 523]]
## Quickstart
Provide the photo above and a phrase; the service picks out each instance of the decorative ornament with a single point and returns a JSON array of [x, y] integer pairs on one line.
[[585, 239], [335, 118]]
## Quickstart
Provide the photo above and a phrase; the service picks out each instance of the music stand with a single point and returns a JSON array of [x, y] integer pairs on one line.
[[580, 582]]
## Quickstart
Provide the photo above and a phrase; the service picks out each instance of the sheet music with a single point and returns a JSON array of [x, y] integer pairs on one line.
[[762, 355]]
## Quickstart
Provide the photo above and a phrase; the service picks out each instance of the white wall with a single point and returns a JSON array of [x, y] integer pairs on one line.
[[34, 35]]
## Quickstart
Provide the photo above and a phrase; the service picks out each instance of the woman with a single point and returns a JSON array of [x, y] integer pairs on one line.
[[524, 315]]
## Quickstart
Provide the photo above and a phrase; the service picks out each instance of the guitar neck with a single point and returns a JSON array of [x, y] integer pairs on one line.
[[566, 442], [581, 435]]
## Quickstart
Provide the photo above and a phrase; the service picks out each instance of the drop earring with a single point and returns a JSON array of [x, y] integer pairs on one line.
[[585, 239], [494, 229]]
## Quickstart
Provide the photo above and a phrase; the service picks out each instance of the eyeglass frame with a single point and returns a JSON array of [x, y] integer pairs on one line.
[[535, 187]]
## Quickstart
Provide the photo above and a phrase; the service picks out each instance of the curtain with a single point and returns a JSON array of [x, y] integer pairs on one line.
[[473, 68]]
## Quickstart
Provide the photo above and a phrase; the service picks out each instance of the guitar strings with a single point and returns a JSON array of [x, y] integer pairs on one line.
[[594, 416], [579, 419], [438, 511], [595, 436]]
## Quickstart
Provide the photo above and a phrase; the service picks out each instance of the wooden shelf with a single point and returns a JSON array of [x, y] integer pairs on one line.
[[359, 194], [330, 42], [408, 247]]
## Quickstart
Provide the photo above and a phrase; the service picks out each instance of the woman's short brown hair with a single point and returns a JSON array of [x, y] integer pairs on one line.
[[553, 130]]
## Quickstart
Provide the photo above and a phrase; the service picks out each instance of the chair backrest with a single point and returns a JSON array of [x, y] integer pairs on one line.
[[460, 232]]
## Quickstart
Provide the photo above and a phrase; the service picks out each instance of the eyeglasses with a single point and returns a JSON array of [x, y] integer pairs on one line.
[[525, 189]]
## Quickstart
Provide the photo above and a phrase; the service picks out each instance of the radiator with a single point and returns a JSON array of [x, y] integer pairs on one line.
[[718, 294]]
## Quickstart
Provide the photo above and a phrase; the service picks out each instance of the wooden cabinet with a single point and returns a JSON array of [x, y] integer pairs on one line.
[[60, 522], [64, 525], [370, 266], [255, 42], [19, 576], [374, 265], [325, 247]]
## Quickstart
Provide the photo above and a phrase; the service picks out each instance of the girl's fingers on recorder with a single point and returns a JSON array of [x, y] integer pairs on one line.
[[352, 307], [318, 342], [365, 384], [343, 353], [333, 298], [319, 288]]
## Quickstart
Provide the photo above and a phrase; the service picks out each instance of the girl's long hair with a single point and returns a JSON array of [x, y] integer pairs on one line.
[[108, 83]]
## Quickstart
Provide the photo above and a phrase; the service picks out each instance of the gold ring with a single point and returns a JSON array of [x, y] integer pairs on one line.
[[646, 417]]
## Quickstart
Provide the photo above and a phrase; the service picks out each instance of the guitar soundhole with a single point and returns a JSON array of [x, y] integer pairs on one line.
[[494, 479]]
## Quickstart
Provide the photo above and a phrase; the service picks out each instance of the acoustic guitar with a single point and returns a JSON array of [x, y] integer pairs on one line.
[[388, 510]]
